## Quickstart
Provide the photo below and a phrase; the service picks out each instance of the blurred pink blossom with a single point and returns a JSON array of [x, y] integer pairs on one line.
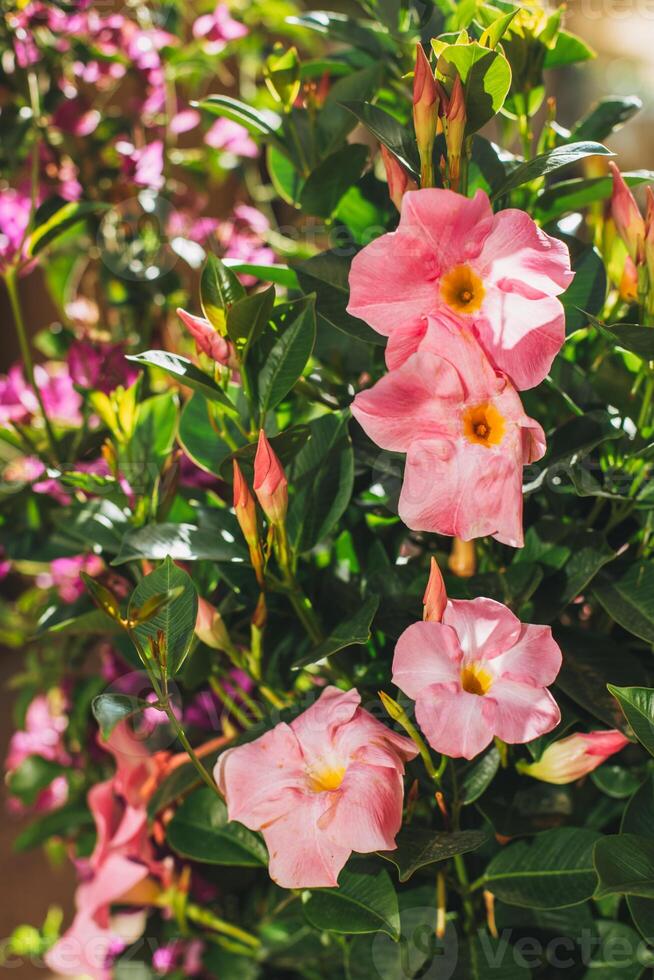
[[225, 134], [64, 575], [216, 30]]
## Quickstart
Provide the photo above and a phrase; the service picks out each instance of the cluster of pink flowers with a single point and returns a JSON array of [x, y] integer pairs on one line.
[[469, 302], [43, 736]]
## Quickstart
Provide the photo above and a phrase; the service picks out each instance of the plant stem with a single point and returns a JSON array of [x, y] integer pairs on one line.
[[204, 917], [10, 277], [190, 751], [229, 702]]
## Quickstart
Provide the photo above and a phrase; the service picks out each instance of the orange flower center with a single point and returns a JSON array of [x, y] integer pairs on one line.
[[483, 424], [462, 290], [326, 780], [475, 679]]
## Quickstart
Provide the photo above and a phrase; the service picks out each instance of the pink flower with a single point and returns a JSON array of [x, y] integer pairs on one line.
[[144, 166], [397, 178], [477, 674], [217, 29], [15, 209], [102, 367], [76, 116], [225, 134], [122, 867], [184, 121], [207, 339], [627, 216], [43, 735], [18, 402], [451, 257], [327, 784], [575, 756], [64, 575], [465, 433]]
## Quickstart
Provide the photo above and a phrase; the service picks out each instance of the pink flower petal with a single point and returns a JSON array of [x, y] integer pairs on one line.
[[518, 249], [302, 855], [484, 628], [522, 711], [455, 722], [367, 813], [426, 654], [535, 658]]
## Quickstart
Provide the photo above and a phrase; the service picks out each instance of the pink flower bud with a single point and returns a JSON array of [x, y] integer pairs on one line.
[[627, 217], [270, 483], [456, 118], [649, 236], [629, 281], [207, 340], [210, 627], [425, 113], [397, 177], [575, 756], [245, 508], [435, 597]]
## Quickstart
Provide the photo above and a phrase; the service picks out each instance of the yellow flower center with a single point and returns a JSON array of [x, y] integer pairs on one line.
[[475, 679], [483, 424], [462, 290], [326, 780]]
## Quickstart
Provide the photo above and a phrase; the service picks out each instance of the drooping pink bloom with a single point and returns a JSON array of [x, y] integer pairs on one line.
[[476, 674], [122, 867], [207, 339], [497, 275], [184, 121], [465, 433], [270, 483], [327, 784], [225, 134], [575, 756], [217, 29]]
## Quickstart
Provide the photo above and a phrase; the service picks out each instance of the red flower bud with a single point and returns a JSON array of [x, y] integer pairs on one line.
[[207, 340], [270, 483], [627, 217], [425, 113], [245, 508], [398, 179], [435, 597]]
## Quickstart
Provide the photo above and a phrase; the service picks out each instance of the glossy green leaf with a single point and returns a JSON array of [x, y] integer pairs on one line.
[[187, 373], [418, 847], [109, 709], [605, 117], [486, 77], [629, 598], [637, 819], [201, 831], [49, 224], [552, 870], [284, 350], [363, 902], [282, 275], [478, 775], [326, 275], [568, 50], [326, 185], [625, 865], [181, 542], [587, 291], [550, 162], [248, 318], [176, 620], [355, 630], [398, 138], [199, 439], [637, 705], [219, 289], [577, 193]]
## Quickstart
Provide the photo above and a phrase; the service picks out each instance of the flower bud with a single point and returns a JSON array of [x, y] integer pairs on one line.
[[435, 597], [397, 177], [425, 114], [463, 559], [575, 756], [455, 124], [207, 340], [629, 281], [210, 627], [245, 508], [649, 237], [627, 217], [270, 483]]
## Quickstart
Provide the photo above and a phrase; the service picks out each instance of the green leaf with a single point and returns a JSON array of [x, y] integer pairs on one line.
[[618, 955], [285, 349], [176, 620], [615, 781], [198, 437], [590, 551], [109, 709], [326, 185], [478, 776], [550, 162], [282, 275], [605, 117], [327, 275], [579, 192], [340, 27], [322, 477], [186, 372], [361, 903], [64, 822], [553, 870], [625, 865], [418, 847], [353, 631], [632, 337], [629, 599], [395, 135], [248, 318], [334, 122], [153, 436], [485, 958], [201, 831], [486, 77], [568, 50], [637, 819], [50, 224], [33, 774], [587, 291], [637, 705], [181, 542], [219, 289]]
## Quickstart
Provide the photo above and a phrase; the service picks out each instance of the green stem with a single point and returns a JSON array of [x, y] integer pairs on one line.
[[462, 875], [10, 277], [229, 702], [205, 918], [190, 751]]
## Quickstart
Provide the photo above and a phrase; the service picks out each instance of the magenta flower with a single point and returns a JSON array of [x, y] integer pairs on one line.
[[101, 367], [143, 166], [217, 29], [43, 735], [451, 257], [465, 433], [15, 209], [476, 674], [75, 116], [225, 134], [327, 784], [64, 575], [18, 402]]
